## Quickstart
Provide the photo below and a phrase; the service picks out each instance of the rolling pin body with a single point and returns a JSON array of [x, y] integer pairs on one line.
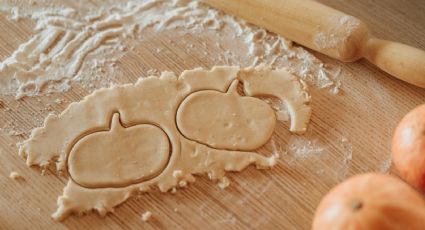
[[330, 32]]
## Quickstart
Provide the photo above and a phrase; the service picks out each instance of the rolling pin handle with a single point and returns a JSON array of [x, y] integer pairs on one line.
[[402, 61]]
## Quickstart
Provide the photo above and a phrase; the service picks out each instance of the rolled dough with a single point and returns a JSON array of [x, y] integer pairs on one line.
[[161, 131]]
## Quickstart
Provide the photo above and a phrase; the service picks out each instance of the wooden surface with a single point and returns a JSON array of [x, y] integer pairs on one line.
[[361, 120]]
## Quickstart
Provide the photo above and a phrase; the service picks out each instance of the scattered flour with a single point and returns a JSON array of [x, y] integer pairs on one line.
[[386, 165], [83, 43], [344, 26], [301, 147], [347, 149], [308, 153]]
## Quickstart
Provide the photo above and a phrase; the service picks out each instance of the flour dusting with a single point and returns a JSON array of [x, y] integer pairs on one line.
[[386, 165], [309, 153], [301, 147], [344, 26], [84, 43]]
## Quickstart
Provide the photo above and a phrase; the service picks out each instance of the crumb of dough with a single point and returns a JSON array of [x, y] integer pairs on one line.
[[183, 184], [15, 176], [177, 174], [223, 183], [146, 216]]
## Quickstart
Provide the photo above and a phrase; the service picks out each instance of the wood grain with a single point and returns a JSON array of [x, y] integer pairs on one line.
[[362, 118]]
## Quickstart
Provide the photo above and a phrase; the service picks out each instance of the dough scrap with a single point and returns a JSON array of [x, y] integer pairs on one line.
[[15, 176], [146, 216], [150, 107], [263, 81]]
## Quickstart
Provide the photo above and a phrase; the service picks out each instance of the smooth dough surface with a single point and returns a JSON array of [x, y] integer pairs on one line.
[[130, 138], [226, 120], [118, 157]]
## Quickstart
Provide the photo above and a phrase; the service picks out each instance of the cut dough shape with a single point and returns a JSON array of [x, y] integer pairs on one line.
[[120, 156], [155, 101], [249, 121]]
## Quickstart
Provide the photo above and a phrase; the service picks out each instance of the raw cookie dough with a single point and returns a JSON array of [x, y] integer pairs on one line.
[[146, 216], [122, 155], [249, 120], [15, 176], [152, 126]]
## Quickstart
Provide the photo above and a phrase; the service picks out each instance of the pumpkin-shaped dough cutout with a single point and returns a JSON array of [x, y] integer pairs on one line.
[[226, 120], [120, 156]]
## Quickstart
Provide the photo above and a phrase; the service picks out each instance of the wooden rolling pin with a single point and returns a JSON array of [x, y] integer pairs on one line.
[[330, 32]]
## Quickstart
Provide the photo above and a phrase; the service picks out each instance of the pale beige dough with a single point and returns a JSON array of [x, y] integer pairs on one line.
[[146, 216], [284, 86], [226, 120], [15, 176], [164, 113], [120, 156]]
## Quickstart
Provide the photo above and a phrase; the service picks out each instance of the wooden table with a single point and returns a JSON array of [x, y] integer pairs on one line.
[[351, 131]]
